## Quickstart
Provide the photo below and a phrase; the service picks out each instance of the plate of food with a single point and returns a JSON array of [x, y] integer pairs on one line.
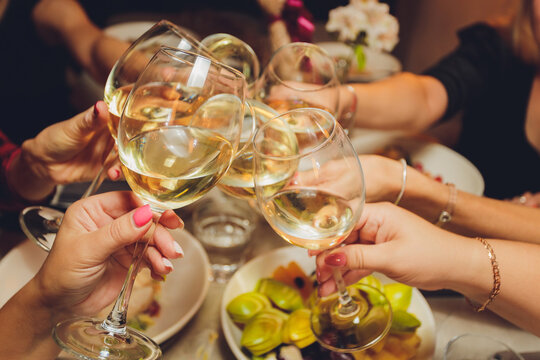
[[433, 159], [293, 267], [159, 309]]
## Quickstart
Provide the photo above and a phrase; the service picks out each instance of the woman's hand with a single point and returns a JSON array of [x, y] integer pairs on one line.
[[93, 249], [402, 246], [69, 151]]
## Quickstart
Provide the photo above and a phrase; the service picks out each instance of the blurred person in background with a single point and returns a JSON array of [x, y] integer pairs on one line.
[[493, 77]]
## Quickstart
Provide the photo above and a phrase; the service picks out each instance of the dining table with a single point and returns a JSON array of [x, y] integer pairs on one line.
[[202, 337]]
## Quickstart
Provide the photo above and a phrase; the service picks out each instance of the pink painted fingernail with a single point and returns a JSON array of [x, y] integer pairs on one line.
[[142, 215], [336, 259], [96, 110], [116, 174]]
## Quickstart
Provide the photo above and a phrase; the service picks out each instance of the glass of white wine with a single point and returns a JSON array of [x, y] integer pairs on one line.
[[41, 223], [316, 207], [177, 135]]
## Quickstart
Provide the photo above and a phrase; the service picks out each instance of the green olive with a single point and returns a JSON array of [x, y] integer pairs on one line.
[[245, 306]]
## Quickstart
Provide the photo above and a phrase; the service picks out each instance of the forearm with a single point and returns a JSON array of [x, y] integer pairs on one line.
[[519, 268], [401, 102], [472, 215], [26, 327], [279, 35]]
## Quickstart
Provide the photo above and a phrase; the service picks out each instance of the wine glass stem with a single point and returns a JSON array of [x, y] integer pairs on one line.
[[101, 175], [347, 306], [117, 319]]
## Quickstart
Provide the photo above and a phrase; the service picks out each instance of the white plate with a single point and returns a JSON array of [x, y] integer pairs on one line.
[[435, 158], [246, 277], [182, 293]]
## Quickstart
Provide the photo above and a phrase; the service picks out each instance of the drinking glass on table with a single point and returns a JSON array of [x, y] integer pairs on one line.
[[303, 75], [478, 347], [41, 223], [177, 136], [310, 188]]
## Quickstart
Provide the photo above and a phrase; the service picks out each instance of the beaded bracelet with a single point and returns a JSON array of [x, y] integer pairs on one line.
[[496, 278]]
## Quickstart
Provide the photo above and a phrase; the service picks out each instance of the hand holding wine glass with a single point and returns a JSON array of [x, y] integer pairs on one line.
[[303, 209], [177, 135], [41, 223]]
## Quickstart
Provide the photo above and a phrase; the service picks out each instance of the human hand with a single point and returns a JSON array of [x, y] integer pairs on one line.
[[527, 199], [87, 264], [69, 151], [402, 246]]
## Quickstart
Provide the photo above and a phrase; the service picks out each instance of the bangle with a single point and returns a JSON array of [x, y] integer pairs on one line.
[[403, 181], [496, 278], [446, 215]]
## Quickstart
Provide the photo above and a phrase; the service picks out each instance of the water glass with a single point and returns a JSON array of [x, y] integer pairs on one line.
[[478, 347], [224, 226]]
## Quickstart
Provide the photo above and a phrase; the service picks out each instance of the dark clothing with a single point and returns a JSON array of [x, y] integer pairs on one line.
[[492, 86]]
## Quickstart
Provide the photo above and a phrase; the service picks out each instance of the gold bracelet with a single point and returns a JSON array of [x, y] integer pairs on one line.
[[403, 181], [496, 278], [446, 215]]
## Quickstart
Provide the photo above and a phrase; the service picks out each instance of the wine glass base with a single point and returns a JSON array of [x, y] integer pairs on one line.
[[40, 224], [87, 339], [358, 330]]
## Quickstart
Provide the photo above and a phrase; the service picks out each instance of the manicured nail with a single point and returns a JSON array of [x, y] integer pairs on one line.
[[142, 215], [336, 259], [96, 110], [177, 249], [116, 174], [168, 264]]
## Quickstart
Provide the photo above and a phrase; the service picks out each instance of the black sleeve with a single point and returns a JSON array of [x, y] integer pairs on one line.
[[472, 68]]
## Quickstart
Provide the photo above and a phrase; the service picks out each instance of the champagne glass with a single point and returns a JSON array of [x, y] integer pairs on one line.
[[177, 136], [316, 208], [41, 223]]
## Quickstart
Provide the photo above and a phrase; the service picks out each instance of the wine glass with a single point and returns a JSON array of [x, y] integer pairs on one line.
[[303, 75], [310, 188], [177, 136], [238, 181], [234, 52], [41, 223]]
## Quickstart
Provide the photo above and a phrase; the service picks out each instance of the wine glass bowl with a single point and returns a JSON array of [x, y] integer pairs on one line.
[[232, 51], [310, 188], [299, 75]]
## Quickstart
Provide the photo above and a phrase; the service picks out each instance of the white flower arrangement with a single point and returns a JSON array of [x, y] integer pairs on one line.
[[365, 22]]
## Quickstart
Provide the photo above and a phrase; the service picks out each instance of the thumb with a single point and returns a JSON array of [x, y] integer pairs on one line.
[[121, 232], [87, 122]]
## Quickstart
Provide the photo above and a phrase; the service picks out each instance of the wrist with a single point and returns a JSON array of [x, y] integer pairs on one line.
[[27, 178], [424, 196]]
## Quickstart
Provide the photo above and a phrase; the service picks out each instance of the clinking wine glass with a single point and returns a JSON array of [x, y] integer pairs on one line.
[[41, 223], [177, 135], [310, 188], [301, 75]]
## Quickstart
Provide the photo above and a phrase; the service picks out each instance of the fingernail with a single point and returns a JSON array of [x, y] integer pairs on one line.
[[116, 174], [178, 249], [168, 264], [96, 110], [142, 215], [336, 259], [318, 274]]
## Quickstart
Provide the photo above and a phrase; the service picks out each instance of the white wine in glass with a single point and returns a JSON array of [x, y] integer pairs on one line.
[[317, 209], [41, 223], [177, 135]]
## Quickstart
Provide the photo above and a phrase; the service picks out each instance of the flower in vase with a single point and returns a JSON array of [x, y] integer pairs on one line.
[[364, 22]]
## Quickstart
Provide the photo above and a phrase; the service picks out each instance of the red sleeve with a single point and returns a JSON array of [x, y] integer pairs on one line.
[[9, 201]]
